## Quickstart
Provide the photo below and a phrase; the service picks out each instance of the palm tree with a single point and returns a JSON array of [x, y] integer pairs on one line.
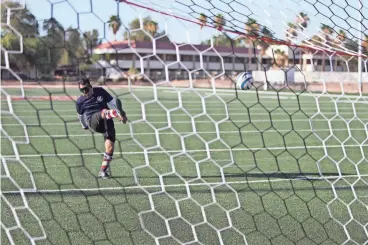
[[291, 32], [219, 22], [114, 24], [341, 36], [327, 32], [152, 27], [251, 29], [203, 20], [302, 20], [302, 23], [262, 44], [340, 39], [365, 44]]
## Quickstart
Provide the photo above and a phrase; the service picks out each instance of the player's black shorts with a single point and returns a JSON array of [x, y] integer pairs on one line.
[[103, 126]]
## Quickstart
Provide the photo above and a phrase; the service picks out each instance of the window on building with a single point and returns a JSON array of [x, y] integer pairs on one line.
[[161, 56], [170, 57], [125, 56], [214, 59], [113, 56], [228, 59], [186, 58], [240, 60]]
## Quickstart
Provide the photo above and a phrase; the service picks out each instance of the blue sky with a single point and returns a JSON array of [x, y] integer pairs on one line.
[[89, 14]]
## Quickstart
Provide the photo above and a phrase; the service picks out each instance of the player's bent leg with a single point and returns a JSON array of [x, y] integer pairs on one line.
[[109, 137], [108, 114], [97, 124], [107, 158]]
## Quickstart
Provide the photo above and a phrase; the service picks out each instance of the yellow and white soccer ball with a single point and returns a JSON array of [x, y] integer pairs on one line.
[[244, 80]]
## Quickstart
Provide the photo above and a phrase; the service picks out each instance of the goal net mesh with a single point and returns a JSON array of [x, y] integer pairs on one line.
[[200, 161]]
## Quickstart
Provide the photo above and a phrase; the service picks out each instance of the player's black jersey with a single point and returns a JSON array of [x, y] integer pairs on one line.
[[87, 106]]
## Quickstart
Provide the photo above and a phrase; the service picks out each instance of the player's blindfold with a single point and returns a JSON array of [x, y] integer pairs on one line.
[[85, 90]]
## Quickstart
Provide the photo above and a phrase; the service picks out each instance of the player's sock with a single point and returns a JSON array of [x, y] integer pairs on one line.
[[106, 162], [111, 113]]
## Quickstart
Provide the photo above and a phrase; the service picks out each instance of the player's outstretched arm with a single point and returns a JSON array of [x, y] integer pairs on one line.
[[80, 116], [82, 122]]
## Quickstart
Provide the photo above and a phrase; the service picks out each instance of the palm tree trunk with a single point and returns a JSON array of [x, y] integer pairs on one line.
[[249, 52]]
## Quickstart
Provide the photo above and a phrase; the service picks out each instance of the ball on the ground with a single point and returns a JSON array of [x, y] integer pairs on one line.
[[244, 80]]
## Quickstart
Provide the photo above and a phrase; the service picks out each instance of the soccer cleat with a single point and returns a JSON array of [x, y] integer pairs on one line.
[[104, 174]]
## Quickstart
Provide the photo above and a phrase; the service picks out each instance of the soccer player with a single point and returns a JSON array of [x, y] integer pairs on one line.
[[96, 109]]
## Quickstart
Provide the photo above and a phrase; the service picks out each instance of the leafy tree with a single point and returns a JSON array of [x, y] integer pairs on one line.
[[44, 52], [22, 20], [352, 45], [53, 27], [26, 24], [221, 40], [53, 41], [91, 39]]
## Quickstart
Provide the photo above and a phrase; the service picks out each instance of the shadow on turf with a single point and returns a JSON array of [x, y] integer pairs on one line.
[[262, 176], [240, 187]]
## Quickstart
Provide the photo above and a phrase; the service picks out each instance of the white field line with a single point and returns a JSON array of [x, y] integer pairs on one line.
[[186, 184], [217, 90], [261, 96], [182, 151], [347, 111], [220, 161], [139, 121], [349, 102], [181, 133], [184, 115], [208, 105], [198, 101]]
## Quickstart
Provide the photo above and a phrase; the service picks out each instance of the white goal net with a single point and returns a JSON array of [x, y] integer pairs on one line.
[[200, 161]]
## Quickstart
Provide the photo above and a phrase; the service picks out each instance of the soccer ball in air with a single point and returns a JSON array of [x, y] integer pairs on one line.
[[244, 80]]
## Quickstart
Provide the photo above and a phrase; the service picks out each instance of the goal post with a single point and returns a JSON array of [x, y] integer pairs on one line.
[[200, 161]]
